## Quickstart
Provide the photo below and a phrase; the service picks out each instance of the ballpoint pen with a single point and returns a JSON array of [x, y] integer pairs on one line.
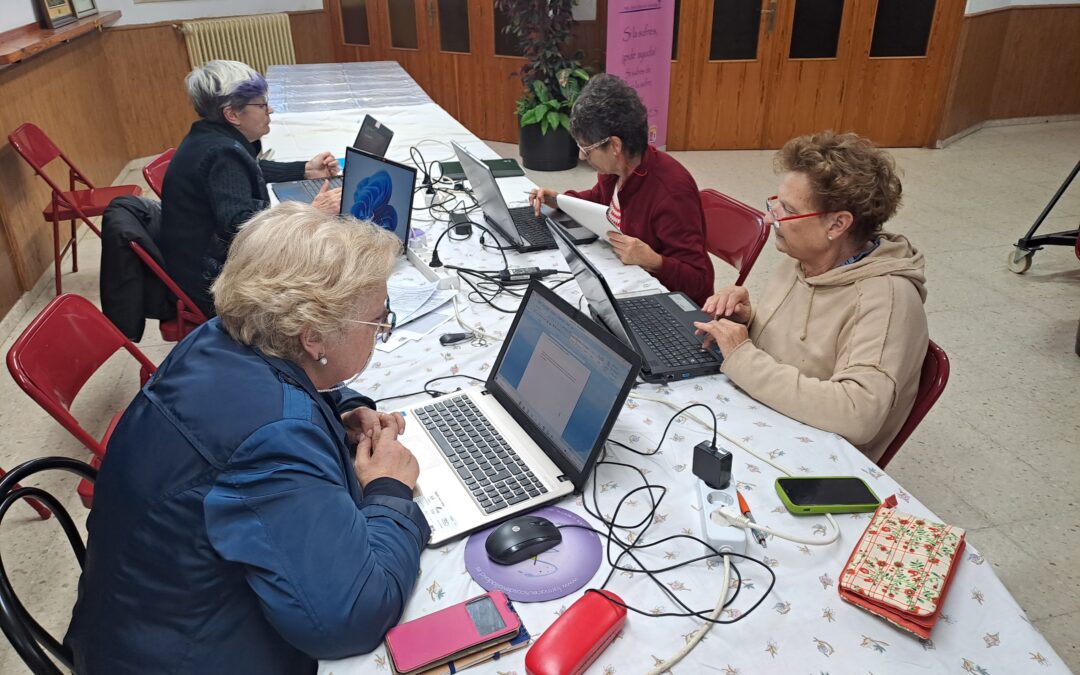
[[745, 509]]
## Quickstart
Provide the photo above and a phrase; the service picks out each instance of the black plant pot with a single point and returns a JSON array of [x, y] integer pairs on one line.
[[553, 151]]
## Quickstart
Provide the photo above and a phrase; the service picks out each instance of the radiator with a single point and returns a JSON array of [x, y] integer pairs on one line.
[[261, 41]]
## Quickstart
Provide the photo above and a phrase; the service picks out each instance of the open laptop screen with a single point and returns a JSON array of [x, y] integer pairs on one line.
[[565, 375], [486, 191], [593, 285], [378, 190]]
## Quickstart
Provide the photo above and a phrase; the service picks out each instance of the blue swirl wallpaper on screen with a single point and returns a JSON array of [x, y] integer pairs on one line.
[[378, 191]]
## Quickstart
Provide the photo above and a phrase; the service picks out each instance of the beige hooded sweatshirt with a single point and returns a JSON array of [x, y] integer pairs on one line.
[[841, 351]]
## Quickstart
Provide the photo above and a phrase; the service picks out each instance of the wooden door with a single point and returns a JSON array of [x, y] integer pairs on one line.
[[755, 73], [720, 74]]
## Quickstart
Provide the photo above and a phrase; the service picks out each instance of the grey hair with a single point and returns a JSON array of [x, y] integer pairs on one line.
[[607, 107], [217, 85], [293, 267]]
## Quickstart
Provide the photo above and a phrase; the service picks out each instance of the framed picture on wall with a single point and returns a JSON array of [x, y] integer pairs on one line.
[[56, 13], [84, 7]]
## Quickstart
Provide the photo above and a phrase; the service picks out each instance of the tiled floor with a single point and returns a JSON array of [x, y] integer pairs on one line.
[[999, 454]]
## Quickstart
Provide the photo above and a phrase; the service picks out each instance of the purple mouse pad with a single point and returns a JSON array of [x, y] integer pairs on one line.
[[555, 573]]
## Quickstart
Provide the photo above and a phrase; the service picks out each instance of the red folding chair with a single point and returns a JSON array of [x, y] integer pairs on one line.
[[38, 150], [932, 381], [55, 356], [734, 232], [154, 172], [188, 314]]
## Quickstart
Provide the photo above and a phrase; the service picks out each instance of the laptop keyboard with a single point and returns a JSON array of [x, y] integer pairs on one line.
[[490, 469], [312, 186], [532, 227], [657, 327]]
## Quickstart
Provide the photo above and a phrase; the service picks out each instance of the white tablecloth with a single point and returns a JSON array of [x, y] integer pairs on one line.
[[803, 626]]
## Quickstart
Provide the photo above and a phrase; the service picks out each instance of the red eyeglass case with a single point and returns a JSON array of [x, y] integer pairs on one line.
[[577, 637]]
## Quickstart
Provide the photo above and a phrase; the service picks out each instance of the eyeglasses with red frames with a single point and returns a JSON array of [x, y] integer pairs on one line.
[[773, 203]]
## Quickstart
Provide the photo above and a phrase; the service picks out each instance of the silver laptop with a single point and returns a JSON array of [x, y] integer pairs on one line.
[[520, 226], [533, 433]]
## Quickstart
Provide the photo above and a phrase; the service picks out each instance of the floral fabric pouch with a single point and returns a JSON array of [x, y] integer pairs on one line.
[[902, 567]]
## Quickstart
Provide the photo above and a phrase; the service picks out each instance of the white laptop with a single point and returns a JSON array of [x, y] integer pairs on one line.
[[532, 435], [594, 217]]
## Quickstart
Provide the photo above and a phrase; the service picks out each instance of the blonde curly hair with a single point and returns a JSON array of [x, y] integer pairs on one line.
[[291, 267], [847, 172]]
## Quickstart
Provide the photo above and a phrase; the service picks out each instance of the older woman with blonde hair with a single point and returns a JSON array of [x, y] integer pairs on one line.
[[838, 339], [253, 514]]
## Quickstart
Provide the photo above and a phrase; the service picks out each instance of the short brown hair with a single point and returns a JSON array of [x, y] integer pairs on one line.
[[293, 266], [847, 172]]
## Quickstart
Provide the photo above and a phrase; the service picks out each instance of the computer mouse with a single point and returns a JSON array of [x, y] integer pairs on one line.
[[521, 538]]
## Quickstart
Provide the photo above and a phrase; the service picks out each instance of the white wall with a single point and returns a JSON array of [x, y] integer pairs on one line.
[[16, 13], [974, 6], [172, 10]]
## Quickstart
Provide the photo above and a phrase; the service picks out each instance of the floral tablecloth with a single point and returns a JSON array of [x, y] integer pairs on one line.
[[802, 626]]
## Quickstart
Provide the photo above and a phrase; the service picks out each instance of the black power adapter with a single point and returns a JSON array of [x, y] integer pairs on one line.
[[461, 223], [712, 465]]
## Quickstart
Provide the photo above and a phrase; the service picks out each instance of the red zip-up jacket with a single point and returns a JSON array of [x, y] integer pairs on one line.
[[661, 206]]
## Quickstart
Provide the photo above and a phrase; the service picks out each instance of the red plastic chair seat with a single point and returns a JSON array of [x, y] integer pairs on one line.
[[91, 202], [154, 172]]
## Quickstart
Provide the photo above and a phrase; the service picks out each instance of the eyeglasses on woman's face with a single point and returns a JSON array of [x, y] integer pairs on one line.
[[774, 207], [385, 326], [589, 148]]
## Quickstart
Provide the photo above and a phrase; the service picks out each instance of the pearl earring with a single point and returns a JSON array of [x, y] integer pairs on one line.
[[828, 235], [322, 361]]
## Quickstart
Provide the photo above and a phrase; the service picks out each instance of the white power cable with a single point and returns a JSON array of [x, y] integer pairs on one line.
[[737, 519], [475, 330], [671, 661]]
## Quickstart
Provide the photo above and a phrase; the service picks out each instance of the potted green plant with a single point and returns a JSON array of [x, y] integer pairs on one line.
[[552, 80]]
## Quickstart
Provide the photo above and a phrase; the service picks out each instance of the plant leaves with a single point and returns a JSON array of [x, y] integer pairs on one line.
[[552, 118], [535, 115], [544, 126], [564, 121], [541, 90]]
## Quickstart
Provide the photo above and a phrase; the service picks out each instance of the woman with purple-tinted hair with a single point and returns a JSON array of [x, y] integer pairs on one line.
[[216, 181]]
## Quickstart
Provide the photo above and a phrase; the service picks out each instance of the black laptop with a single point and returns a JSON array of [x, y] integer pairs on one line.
[[660, 326], [373, 138], [520, 226]]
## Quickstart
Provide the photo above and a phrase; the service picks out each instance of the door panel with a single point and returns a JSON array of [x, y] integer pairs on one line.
[[810, 94]]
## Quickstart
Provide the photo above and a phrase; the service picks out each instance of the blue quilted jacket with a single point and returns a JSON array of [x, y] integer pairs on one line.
[[229, 533]]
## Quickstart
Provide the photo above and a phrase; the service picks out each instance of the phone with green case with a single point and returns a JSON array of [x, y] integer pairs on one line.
[[808, 495]]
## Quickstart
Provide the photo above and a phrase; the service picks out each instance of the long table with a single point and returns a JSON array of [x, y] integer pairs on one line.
[[803, 625]]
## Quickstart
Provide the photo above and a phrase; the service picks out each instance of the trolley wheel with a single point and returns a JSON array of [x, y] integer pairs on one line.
[[1020, 260]]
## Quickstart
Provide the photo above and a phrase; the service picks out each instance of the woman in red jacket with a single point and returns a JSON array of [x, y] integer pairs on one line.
[[654, 200]]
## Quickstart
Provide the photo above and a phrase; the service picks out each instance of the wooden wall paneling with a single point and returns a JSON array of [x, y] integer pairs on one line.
[[12, 269], [311, 36], [971, 85], [1039, 73], [67, 92], [148, 65]]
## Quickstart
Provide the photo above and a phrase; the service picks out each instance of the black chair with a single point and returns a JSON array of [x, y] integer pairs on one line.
[[24, 633]]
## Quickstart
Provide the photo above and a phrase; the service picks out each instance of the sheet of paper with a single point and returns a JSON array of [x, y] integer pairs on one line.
[[408, 300]]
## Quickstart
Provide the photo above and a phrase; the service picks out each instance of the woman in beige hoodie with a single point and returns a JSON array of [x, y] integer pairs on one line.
[[839, 337]]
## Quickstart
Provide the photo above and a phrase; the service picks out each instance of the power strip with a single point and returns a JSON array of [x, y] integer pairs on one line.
[[715, 528]]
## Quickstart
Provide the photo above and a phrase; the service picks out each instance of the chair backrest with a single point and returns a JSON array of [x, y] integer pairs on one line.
[[60, 350], [38, 150], [186, 310], [734, 232], [24, 633], [932, 381], [154, 172]]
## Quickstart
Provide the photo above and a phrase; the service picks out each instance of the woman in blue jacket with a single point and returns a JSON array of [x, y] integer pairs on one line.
[[252, 515]]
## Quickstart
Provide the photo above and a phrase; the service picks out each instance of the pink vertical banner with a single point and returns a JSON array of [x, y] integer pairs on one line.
[[639, 35]]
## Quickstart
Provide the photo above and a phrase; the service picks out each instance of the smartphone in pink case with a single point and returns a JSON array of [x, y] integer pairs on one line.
[[451, 633]]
